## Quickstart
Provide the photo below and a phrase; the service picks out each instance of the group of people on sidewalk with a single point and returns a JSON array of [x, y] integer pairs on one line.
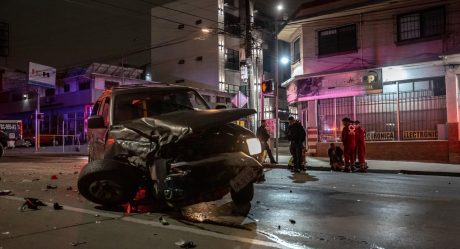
[[354, 147], [353, 139]]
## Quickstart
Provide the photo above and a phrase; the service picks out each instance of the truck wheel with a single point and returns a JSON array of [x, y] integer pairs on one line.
[[1, 150], [104, 183], [243, 198]]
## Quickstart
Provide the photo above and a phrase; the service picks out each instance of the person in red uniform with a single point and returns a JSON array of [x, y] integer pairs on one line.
[[349, 143], [360, 135]]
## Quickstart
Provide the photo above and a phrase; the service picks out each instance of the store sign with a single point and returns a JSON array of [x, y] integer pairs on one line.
[[41, 75], [418, 135], [380, 136], [336, 85]]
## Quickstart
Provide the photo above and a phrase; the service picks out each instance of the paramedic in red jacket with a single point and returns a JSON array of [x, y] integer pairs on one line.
[[349, 143], [360, 135]]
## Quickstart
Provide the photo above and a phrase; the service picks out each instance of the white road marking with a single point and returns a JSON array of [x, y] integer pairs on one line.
[[278, 244]]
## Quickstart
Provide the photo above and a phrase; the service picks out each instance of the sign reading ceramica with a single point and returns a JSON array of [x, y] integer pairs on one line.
[[380, 136], [353, 83], [412, 135]]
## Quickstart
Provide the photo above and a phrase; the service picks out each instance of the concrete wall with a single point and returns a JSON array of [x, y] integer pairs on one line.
[[191, 43], [427, 151]]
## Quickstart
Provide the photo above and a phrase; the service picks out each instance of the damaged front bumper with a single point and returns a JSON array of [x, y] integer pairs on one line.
[[235, 170]]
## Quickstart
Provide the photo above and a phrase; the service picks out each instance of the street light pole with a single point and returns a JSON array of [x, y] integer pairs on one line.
[[279, 8], [37, 123]]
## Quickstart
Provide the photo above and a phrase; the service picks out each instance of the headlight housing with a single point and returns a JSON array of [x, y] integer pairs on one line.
[[254, 146]]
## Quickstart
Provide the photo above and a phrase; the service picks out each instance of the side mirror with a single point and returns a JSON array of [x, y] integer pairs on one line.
[[96, 122], [221, 107]]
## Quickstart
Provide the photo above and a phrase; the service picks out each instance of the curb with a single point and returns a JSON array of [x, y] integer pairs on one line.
[[378, 171]]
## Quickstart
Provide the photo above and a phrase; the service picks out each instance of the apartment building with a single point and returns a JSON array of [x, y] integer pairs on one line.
[[392, 65]]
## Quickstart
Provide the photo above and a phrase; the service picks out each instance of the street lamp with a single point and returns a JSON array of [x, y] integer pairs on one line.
[[279, 7], [284, 60]]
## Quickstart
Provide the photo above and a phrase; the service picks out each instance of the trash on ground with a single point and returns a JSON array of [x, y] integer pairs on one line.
[[292, 221], [163, 221], [186, 244], [51, 186], [5, 192], [78, 243], [32, 203], [56, 206]]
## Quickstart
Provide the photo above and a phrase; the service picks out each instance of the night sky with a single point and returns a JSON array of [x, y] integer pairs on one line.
[[67, 33]]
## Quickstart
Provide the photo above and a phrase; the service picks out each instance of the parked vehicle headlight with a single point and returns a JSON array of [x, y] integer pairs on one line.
[[254, 146]]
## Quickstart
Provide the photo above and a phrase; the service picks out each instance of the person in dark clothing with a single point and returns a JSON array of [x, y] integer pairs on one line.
[[335, 154], [296, 135], [263, 136]]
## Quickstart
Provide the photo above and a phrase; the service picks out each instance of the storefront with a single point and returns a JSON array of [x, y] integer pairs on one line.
[[394, 104]]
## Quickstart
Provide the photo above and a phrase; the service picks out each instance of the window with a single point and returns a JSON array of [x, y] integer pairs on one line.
[[95, 108], [66, 88], [84, 85], [220, 99], [296, 51], [232, 59], [337, 40], [105, 111], [110, 84], [49, 92], [421, 24], [207, 98], [232, 24]]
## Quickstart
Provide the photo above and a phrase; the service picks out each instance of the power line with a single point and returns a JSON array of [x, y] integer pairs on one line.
[[179, 11]]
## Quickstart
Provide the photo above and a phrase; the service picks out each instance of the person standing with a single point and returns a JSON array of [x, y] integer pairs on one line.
[[263, 136], [296, 135], [360, 146], [349, 144]]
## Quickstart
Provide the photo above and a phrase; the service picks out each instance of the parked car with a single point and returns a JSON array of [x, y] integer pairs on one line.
[[3, 142], [166, 138]]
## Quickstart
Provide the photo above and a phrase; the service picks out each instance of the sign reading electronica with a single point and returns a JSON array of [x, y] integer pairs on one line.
[[41, 75], [346, 84]]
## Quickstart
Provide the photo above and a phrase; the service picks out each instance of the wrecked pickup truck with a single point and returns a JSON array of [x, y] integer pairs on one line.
[[167, 140]]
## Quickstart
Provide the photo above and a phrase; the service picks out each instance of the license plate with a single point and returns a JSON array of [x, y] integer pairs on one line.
[[246, 176]]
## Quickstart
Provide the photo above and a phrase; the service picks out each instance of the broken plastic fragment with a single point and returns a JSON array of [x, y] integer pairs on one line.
[[186, 244], [163, 221], [292, 221], [6, 233], [36, 179], [51, 186], [32, 203], [69, 188], [56, 206], [54, 177], [78, 243], [5, 192]]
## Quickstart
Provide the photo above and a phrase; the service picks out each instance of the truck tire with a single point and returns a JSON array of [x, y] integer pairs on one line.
[[109, 182], [242, 199]]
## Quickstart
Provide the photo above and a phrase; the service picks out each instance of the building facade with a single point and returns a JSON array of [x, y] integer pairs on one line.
[[392, 65]]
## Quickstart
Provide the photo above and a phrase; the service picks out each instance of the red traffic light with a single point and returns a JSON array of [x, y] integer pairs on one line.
[[267, 86]]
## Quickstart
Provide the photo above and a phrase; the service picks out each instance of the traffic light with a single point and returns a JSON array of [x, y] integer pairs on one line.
[[267, 86]]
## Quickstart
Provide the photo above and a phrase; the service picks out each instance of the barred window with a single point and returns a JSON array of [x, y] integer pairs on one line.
[[337, 40], [422, 24], [296, 50]]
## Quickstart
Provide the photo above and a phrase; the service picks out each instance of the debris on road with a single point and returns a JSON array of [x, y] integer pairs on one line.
[[76, 172], [78, 243], [5, 192], [36, 179], [56, 206], [51, 186], [290, 191], [186, 244], [32, 203], [69, 188], [54, 177], [163, 221], [292, 221], [279, 227], [5, 233]]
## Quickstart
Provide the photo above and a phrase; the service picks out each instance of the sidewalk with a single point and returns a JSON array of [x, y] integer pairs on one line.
[[50, 150], [378, 166]]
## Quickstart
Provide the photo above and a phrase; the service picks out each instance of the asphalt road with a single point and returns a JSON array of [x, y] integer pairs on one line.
[[314, 210]]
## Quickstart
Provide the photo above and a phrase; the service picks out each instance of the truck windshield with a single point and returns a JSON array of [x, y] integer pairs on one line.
[[149, 104]]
